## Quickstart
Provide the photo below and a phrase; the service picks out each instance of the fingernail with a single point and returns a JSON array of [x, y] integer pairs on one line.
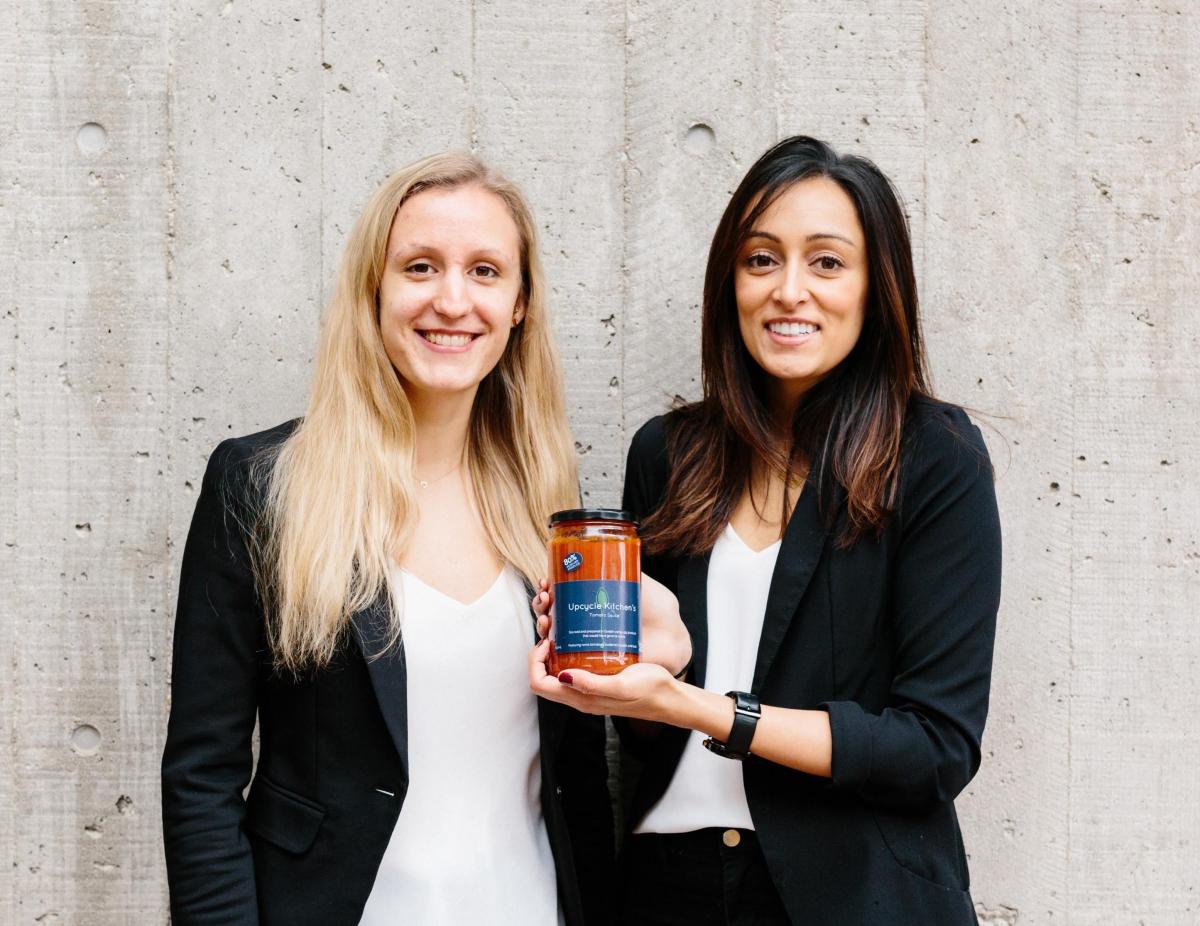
[[564, 678]]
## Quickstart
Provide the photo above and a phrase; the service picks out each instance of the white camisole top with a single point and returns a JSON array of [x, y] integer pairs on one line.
[[707, 790], [470, 845]]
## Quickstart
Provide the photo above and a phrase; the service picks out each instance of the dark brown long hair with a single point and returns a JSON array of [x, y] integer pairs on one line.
[[846, 431]]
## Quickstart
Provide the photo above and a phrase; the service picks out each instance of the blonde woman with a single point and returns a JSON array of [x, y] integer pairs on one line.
[[358, 580]]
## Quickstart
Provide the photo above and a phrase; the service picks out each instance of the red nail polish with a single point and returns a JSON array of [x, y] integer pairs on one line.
[[564, 678]]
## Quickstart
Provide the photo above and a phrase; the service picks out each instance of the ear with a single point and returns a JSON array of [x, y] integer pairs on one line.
[[518, 311]]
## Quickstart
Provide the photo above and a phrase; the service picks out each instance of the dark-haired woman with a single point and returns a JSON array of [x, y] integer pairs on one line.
[[831, 533]]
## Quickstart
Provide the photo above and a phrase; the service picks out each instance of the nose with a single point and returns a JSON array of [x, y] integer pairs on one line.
[[451, 299], [793, 285]]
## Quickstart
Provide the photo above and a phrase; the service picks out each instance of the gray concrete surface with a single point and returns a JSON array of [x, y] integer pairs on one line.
[[176, 180]]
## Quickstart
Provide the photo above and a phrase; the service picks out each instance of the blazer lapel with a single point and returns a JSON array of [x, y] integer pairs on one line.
[[803, 541], [692, 584], [387, 670]]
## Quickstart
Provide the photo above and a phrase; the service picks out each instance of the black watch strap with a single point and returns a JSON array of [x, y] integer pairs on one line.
[[746, 711]]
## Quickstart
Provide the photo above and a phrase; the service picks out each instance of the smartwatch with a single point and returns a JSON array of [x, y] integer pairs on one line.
[[746, 711]]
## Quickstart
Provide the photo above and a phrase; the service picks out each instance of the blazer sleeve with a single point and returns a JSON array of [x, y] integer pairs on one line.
[[206, 762], [924, 747]]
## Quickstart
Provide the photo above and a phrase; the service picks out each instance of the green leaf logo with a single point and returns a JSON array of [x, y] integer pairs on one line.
[[601, 597]]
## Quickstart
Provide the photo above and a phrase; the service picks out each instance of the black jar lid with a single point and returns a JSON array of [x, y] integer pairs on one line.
[[593, 514]]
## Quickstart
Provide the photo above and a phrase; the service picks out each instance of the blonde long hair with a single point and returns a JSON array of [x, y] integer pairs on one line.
[[338, 505]]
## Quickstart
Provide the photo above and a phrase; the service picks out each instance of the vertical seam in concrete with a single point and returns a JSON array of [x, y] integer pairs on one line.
[[11, 776], [924, 164], [1074, 308], [472, 100], [777, 19], [776, 32], [626, 170], [171, 188], [321, 168]]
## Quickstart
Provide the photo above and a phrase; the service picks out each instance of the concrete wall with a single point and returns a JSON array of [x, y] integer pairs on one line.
[[176, 179]]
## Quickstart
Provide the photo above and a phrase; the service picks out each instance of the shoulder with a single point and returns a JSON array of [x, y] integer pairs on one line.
[[650, 440], [647, 467], [662, 440], [234, 464], [938, 434], [665, 434], [942, 450], [239, 451]]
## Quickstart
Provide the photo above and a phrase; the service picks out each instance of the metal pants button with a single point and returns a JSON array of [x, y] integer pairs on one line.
[[731, 838]]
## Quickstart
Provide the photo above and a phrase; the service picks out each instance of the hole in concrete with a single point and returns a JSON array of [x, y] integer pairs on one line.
[[699, 139], [85, 739], [91, 138]]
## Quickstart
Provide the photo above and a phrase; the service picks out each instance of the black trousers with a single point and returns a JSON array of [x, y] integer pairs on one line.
[[699, 878]]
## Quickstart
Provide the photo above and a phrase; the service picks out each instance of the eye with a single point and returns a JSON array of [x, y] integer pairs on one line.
[[829, 263], [760, 260], [419, 267], [486, 271]]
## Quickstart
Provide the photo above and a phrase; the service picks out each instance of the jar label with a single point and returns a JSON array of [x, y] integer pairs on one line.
[[593, 615]]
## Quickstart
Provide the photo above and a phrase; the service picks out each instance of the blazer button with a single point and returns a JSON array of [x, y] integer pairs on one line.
[[731, 838], [558, 790]]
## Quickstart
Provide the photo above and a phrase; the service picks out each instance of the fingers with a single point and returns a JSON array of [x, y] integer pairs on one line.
[[547, 686], [541, 608], [543, 601], [629, 693], [537, 663], [610, 688], [552, 688]]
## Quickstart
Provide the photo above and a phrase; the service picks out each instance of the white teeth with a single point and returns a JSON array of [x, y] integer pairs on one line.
[[446, 340], [792, 329]]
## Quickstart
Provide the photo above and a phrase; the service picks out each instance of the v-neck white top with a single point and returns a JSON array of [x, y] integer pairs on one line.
[[707, 790], [470, 845]]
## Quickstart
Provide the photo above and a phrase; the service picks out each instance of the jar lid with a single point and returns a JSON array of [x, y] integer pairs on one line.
[[592, 514]]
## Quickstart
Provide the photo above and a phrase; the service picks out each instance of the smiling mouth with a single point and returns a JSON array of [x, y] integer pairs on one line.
[[792, 329], [448, 338]]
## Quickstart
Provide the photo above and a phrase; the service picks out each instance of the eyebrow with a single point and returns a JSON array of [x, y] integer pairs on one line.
[[418, 248], [817, 236]]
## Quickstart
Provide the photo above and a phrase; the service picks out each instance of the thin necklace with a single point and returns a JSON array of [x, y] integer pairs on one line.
[[426, 483]]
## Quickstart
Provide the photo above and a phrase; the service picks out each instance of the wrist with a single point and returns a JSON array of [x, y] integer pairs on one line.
[[747, 712], [685, 705]]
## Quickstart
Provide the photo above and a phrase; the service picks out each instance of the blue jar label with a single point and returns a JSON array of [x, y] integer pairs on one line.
[[572, 561], [592, 615]]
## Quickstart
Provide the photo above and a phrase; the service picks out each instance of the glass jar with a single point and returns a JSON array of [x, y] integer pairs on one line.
[[595, 575]]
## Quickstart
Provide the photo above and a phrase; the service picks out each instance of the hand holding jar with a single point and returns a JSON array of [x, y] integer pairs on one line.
[[664, 640]]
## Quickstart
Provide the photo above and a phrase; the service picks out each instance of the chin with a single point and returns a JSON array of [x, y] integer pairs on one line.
[[789, 373], [449, 387], [445, 383]]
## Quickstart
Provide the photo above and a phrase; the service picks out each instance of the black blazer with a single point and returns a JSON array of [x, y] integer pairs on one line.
[[893, 637], [304, 846]]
